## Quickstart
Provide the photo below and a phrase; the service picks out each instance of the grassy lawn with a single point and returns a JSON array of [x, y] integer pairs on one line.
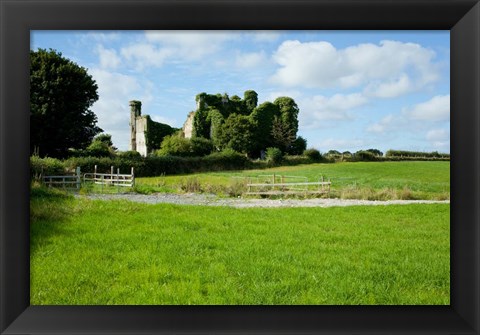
[[118, 252], [360, 180]]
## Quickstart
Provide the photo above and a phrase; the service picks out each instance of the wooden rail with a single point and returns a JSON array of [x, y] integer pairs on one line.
[[287, 188], [67, 181], [104, 179], [110, 179]]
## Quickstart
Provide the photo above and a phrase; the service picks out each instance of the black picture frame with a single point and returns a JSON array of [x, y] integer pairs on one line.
[[18, 17]]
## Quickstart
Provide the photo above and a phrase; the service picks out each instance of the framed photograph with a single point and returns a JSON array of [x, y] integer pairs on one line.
[[21, 29]]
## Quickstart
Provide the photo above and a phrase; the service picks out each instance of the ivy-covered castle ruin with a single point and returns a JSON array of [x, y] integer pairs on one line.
[[228, 123], [146, 135]]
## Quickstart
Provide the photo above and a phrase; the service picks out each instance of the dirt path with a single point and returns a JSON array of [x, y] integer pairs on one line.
[[213, 200]]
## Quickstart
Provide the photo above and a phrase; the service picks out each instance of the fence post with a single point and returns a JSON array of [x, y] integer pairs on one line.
[[78, 177], [111, 175], [133, 177], [95, 174], [118, 180]]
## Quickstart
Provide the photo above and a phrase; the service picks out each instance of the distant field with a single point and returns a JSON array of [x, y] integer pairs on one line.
[[362, 180], [119, 252]]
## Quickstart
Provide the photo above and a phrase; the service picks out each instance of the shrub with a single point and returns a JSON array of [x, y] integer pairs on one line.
[[365, 156], [416, 154], [227, 159], [313, 154], [190, 185], [201, 146], [274, 156], [46, 166], [175, 146], [131, 154], [299, 145], [237, 188]]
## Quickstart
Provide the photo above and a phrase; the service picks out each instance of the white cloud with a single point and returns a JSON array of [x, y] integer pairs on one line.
[[115, 90], [103, 36], [435, 135], [265, 36], [145, 55], [158, 47], [108, 58], [313, 64], [417, 118], [319, 109], [389, 89], [250, 60], [191, 45], [439, 139], [435, 109], [387, 124], [388, 69]]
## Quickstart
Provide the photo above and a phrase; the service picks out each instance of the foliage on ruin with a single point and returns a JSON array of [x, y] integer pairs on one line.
[[156, 132], [237, 133], [242, 125], [61, 95]]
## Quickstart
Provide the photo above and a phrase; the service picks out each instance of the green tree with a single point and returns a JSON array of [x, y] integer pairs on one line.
[[283, 135], [101, 146], [201, 124], [216, 121], [298, 146], [262, 118], [375, 152], [61, 94], [286, 126], [251, 99], [288, 112], [236, 133]]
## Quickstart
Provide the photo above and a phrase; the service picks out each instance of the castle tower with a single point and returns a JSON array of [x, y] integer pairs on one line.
[[135, 111]]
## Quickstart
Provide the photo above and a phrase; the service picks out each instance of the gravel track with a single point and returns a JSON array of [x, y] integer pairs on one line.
[[213, 200]]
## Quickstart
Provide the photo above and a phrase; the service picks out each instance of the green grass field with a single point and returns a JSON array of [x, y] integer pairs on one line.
[[360, 180], [124, 253]]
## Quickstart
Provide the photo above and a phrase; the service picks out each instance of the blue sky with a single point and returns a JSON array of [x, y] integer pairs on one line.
[[355, 89]]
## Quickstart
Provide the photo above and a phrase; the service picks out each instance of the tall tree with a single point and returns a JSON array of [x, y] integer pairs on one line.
[[262, 117], [61, 94], [285, 127], [251, 99], [288, 112]]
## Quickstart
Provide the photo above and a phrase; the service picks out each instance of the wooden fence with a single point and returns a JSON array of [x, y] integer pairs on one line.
[[110, 179], [104, 179], [67, 181], [280, 185]]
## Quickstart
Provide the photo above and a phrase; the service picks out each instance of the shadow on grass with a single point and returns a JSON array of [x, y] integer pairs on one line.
[[50, 210]]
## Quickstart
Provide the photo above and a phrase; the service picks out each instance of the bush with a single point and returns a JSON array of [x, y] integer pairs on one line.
[[403, 153], [131, 154], [175, 146], [299, 145], [227, 159], [274, 156], [313, 154], [46, 167], [201, 146], [366, 156]]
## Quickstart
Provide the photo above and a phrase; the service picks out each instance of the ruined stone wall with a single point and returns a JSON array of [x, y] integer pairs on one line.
[[140, 135], [146, 135], [188, 125]]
